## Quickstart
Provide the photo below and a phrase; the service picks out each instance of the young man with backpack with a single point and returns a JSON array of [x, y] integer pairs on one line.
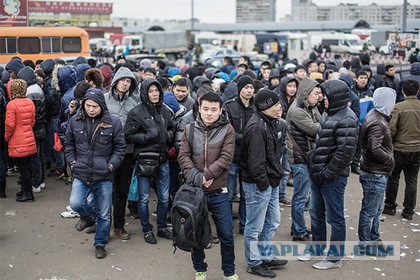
[[211, 154]]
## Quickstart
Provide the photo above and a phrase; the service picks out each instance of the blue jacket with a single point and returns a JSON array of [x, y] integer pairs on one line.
[[95, 160]]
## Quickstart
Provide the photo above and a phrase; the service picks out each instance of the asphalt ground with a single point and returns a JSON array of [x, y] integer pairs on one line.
[[37, 243]]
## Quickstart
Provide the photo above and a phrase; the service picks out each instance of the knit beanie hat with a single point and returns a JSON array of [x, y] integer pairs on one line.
[[265, 99], [243, 81]]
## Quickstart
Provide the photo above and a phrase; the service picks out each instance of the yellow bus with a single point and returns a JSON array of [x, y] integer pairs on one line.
[[42, 42]]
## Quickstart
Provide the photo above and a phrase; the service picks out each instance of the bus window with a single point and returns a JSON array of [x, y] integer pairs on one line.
[[29, 45], [8, 45], [51, 44], [72, 44]]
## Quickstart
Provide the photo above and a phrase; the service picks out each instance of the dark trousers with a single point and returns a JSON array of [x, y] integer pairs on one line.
[[174, 170], [120, 190], [409, 163], [24, 166], [38, 160], [357, 155]]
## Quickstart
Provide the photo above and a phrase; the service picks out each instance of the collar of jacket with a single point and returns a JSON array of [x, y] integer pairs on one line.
[[269, 120]]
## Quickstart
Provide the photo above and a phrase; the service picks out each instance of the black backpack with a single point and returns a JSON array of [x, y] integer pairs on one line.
[[189, 214]]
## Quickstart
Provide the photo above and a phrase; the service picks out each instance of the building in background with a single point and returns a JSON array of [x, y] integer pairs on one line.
[[255, 10], [306, 10], [82, 14]]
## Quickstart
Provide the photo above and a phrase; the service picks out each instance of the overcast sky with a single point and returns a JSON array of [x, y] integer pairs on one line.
[[211, 11]]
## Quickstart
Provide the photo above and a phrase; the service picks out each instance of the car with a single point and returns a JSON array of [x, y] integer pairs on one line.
[[100, 43], [384, 50], [219, 54]]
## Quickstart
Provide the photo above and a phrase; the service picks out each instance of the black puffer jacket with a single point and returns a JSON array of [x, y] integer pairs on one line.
[[238, 115], [261, 152], [92, 158], [35, 93], [149, 127], [52, 96], [337, 136]]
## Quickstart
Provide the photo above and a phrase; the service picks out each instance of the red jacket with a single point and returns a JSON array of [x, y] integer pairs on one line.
[[20, 119]]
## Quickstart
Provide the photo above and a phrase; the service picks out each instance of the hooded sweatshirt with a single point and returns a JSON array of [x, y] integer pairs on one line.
[[15, 65], [80, 70], [120, 106], [281, 92], [302, 121], [384, 100]]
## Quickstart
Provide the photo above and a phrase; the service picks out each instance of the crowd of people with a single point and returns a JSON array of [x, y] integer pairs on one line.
[[255, 130]]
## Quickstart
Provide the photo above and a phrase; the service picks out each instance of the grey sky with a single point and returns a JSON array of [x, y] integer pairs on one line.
[[210, 11]]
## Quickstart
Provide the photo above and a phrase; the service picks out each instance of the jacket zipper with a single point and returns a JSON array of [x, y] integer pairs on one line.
[[205, 149]]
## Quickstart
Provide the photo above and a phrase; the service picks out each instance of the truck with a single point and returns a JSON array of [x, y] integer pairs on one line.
[[174, 44], [343, 43]]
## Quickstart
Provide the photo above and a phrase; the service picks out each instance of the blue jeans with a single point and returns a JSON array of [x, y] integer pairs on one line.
[[302, 184], [374, 186], [100, 211], [285, 166], [327, 205], [262, 219], [162, 184], [234, 173], [219, 207]]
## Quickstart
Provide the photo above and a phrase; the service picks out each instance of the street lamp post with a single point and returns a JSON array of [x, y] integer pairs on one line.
[[192, 15]]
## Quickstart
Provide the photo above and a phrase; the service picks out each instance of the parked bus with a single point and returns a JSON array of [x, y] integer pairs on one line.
[[42, 42]]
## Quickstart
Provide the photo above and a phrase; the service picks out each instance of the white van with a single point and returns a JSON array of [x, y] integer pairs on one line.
[[342, 43]]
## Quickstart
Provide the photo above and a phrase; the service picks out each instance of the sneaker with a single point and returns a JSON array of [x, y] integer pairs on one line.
[[121, 234], [232, 277], [325, 264], [285, 202], [70, 214], [154, 213], [150, 238], [305, 257], [261, 271], [355, 170], [100, 252], [200, 276], [134, 215], [83, 223], [36, 189], [42, 185], [169, 221], [68, 208], [407, 216], [274, 263], [214, 240], [302, 237], [389, 211], [166, 233]]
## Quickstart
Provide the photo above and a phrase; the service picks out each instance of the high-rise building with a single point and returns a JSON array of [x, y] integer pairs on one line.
[[255, 10], [306, 10]]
